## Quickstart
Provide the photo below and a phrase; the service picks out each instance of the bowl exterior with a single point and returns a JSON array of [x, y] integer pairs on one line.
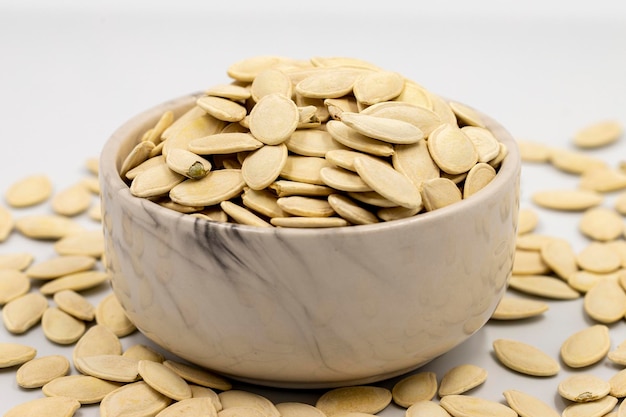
[[307, 308]]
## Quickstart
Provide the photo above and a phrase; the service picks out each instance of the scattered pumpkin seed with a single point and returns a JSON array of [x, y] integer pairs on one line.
[[136, 399], [467, 406], [12, 354], [111, 314], [238, 398], [24, 312], [13, 284], [47, 226], [362, 399], [38, 372], [45, 407], [586, 346], [527, 405], [29, 191], [582, 388], [417, 387], [461, 379], [59, 327], [60, 266], [525, 358]]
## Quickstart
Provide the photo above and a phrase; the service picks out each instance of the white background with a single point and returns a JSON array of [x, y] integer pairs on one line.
[[72, 71]]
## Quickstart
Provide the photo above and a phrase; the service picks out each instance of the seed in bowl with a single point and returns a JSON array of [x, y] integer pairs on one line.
[[336, 127]]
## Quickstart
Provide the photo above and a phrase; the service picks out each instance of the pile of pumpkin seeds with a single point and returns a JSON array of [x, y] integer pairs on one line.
[[50, 295], [320, 143]]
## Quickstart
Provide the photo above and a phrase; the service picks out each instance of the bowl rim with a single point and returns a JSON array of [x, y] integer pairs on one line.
[[507, 175]]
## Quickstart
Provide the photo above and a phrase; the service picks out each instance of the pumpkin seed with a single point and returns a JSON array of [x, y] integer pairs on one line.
[[78, 282], [598, 134], [6, 223], [308, 222], [111, 314], [466, 406], [18, 261], [477, 178], [510, 308], [190, 407], [439, 192], [543, 286], [47, 226], [45, 407], [60, 327], [417, 95], [238, 398], [362, 399], [39, 371], [222, 108], [586, 347], [528, 406], [138, 155], [485, 143], [203, 392], [85, 243], [115, 368], [601, 223], [83, 388], [599, 258], [231, 91], [574, 162], [296, 409], [421, 117], [461, 379], [533, 151], [165, 121], [605, 302], [270, 81], [525, 358], [378, 86], [12, 354], [603, 180], [591, 409], [24, 312], [532, 242], [164, 380], [155, 181], [387, 130], [618, 384], [351, 211], [426, 409], [136, 399], [466, 115], [13, 284], [567, 200], [417, 387], [451, 149], [60, 266], [343, 180], [560, 257], [197, 127], [263, 166], [187, 163], [97, 340], [198, 376], [242, 215], [388, 182], [328, 83], [215, 187], [29, 191], [415, 162], [583, 388], [349, 137], [143, 352], [273, 119]]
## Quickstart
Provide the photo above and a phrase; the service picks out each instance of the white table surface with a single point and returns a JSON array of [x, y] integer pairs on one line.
[[71, 72]]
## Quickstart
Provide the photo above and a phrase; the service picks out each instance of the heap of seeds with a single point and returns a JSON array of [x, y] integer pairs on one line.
[[140, 381], [318, 143]]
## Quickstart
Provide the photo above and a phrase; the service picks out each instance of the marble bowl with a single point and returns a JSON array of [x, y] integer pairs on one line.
[[306, 308]]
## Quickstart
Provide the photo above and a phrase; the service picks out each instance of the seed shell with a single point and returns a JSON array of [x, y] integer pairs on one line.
[[586, 347], [424, 119], [111, 314], [155, 181], [567, 200], [47, 226], [510, 308], [24, 312], [426, 409], [12, 354], [560, 257], [378, 86], [574, 162], [115, 368], [198, 376], [525, 358], [591, 409], [97, 340], [415, 162], [18, 261], [362, 399], [136, 399], [308, 222], [60, 266], [328, 84], [350, 210], [139, 352], [602, 223], [584, 388], [216, 187], [466, 115], [238, 398], [343, 180], [452, 150], [603, 180], [86, 243], [417, 387], [59, 327], [45, 407], [387, 130], [164, 380], [349, 137], [605, 302], [39, 371], [190, 407], [83, 388], [439, 192], [618, 384], [297, 409], [13, 284], [242, 215], [263, 166], [29, 191], [187, 163], [273, 119], [461, 379], [599, 258], [533, 151], [78, 282], [598, 134], [388, 182], [477, 178], [222, 108], [139, 154], [527, 405], [466, 406], [543, 286]]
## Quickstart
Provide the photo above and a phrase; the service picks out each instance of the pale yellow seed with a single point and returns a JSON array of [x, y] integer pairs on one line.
[[439, 192], [270, 81], [140, 352], [387, 130], [586, 346], [164, 380], [39, 371], [169, 204], [415, 162], [45, 407], [29, 191], [597, 408], [263, 166], [603, 180], [242, 215], [297, 409], [222, 108], [285, 188], [426, 409], [305, 206], [378, 86], [451, 149], [309, 222], [362, 399], [12, 354], [599, 258], [349, 137], [247, 69], [136, 399], [190, 407], [19, 260], [583, 388], [527, 221], [262, 202], [525, 358], [75, 305], [529, 263], [388, 182], [324, 84], [342, 62], [467, 406], [343, 180], [198, 376], [187, 163], [155, 181], [6, 223], [238, 398], [139, 154], [417, 387], [350, 210], [304, 169], [47, 226], [574, 162], [461, 379], [618, 384], [13, 284], [230, 91], [217, 186], [312, 142], [618, 355], [598, 134], [583, 281], [531, 151], [111, 314], [203, 392], [273, 119], [485, 143], [241, 412], [417, 95], [78, 282], [149, 163], [83, 388], [466, 115], [605, 302], [22, 313], [543, 286], [619, 247], [87, 243], [477, 178], [92, 184], [97, 340], [527, 405], [510, 308], [60, 327], [115, 368], [567, 200], [396, 213], [165, 121], [423, 118], [532, 241], [602, 223], [336, 106], [504, 151], [60, 266], [560, 257], [189, 130]]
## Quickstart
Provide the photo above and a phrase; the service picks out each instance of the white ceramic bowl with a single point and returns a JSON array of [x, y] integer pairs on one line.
[[302, 307]]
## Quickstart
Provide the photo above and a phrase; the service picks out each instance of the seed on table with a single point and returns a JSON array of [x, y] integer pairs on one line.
[[567, 200], [387, 130], [349, 137], [361, 399], [461, 379], [60, 266], [97, 340], [598, 134], [45, 407], [533, 151], [602, 223], [586, 346], [29, 191], [242, 215], [140, 352], [525, 358], [39, 371], [217, 186], [533, 242], [618, 384], [136, 399], [93, 165], [426, 409], [599, 258], [529, 262], [22, 313], [619, 247], [187, 163], [190, 407], [603, 180], [6, 223], [510, 308], [452, 150], [47, 226], [466, 115], [86, 243], [620, 204], [465, 405], [574, 162], [597, 408], [78, 282], [543, 286], [417, 387], [560, 257], [111, 314], [238, 398], [583, 388], [60, 327], [92, 184], [198, 376], [164, 380], [13, 284], [12, 354], [263, 166], [527, 221], [605, 302], [18, 260], [583, 281], [222, 108], [527, 405], [297, 409]]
